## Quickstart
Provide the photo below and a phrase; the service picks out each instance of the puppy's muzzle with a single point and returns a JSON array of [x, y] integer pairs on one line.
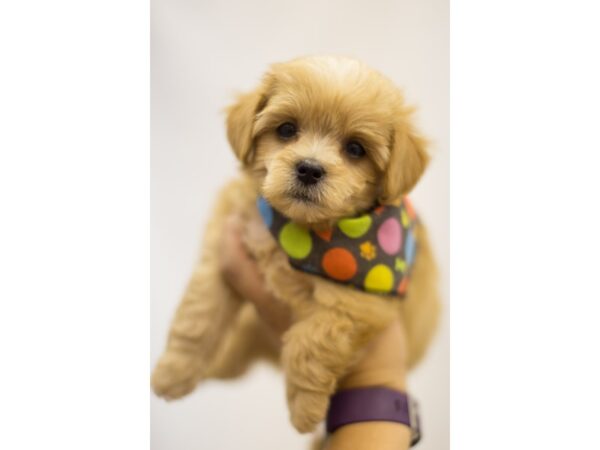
[[309, 172]]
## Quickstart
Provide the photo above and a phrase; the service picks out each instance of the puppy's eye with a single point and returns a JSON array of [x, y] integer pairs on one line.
[[287, 130], [355, 150]]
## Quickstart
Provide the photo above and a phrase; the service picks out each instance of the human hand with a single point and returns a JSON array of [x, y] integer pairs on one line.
[[242, 273], [383, 363]]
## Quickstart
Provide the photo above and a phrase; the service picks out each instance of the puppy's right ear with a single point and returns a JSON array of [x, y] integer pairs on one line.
[[240, 122]]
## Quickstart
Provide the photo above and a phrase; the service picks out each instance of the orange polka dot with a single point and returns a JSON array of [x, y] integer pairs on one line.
[[409, 208], [339, 264], [403, 286], [325, 234]]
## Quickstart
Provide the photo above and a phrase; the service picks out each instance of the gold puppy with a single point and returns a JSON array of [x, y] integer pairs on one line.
[[321, 139]]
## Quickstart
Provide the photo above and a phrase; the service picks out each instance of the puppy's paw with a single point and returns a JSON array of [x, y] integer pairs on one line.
[[307, 409], [175, 375]]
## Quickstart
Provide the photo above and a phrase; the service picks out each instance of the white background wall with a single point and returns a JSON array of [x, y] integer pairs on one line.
[[202, 53]]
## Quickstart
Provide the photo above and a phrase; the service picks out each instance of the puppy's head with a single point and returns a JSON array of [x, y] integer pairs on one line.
[[326, 137]]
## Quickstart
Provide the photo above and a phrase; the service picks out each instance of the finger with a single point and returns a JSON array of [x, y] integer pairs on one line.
[[234, 258], [248, 282], [240, 270], [243, 274]]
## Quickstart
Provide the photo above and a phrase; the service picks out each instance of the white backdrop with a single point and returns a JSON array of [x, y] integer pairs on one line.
[[202, 53]]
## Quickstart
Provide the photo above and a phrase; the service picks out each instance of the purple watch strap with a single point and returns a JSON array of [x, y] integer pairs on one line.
[[371, 404]]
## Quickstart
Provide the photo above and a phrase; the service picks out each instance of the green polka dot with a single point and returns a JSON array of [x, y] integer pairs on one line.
[[355, 227], [379, 279], [400, 265], [295, 240]]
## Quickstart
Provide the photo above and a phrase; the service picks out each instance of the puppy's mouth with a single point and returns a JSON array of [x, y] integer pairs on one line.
[[303, 197], [304, 194]]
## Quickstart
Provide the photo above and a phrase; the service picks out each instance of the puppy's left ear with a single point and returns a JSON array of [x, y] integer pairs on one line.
[[240, 122], [408, 160]]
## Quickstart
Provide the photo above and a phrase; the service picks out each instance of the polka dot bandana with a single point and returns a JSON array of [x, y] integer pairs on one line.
[[374, 251]]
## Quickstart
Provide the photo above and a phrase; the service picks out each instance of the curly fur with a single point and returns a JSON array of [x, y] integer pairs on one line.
[[215, 333]]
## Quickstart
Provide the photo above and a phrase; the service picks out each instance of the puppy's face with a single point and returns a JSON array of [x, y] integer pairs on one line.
[[326, 138]]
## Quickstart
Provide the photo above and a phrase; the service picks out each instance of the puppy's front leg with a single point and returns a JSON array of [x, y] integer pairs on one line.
[[316, 352], [205, 312]]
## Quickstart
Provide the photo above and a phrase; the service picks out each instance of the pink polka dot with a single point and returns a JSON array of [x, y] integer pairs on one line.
[[389, 236]]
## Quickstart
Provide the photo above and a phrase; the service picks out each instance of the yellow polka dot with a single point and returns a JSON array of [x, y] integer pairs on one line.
[[295, 240], [379, 279], [356, 226], [405, 218]]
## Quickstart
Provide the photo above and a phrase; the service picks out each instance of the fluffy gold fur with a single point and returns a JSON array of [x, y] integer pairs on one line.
[[215, 333]]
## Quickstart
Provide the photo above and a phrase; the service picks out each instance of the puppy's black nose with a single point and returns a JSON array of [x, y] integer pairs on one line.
[[309, 172]]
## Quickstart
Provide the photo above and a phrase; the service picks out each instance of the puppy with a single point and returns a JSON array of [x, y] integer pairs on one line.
[[321, 141]]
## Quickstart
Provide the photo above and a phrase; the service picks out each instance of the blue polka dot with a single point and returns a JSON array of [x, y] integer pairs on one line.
[[409, 249], [265, 211]]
